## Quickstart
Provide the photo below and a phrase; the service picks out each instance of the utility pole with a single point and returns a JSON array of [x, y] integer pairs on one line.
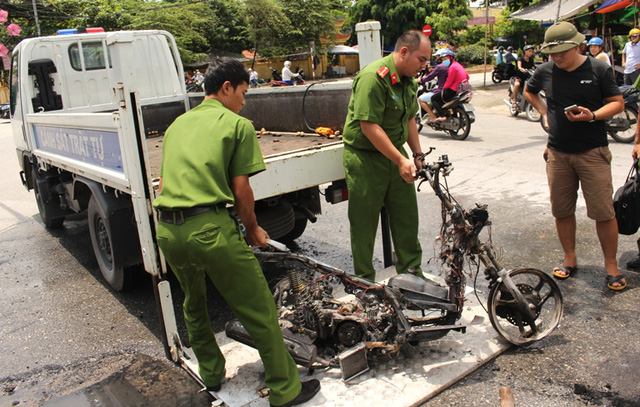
[[35, 14]]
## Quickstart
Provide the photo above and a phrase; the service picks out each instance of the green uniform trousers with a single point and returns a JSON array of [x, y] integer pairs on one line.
[[210, 244], [373, 181]]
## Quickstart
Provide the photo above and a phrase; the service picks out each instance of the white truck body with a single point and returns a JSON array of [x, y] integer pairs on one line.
[[88, 115]]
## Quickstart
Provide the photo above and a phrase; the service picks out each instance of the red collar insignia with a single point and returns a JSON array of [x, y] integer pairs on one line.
[[394, 78], [382, 72]]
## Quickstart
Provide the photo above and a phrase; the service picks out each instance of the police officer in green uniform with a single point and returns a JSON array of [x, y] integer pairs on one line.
[[378, 170], [208, 156]]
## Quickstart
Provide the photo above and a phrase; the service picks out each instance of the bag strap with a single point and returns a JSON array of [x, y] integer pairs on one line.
[[633, 172]]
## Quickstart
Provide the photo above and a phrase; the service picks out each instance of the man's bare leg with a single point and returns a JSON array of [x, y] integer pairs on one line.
[[566, 228], [608, 237]]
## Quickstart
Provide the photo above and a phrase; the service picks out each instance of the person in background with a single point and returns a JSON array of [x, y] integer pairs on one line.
[[208, 155], [455, 77], [596, 48], [440, 71], [631, 57], [287, 75], [581, 93], [510, 59], [378, 170], [253, 78], [500, 56], [525, 63]]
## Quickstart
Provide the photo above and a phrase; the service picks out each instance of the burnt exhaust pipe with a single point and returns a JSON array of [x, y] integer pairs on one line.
[[300, 347]]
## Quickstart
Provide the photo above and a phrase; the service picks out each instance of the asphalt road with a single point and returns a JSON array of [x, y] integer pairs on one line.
[[67, 337]]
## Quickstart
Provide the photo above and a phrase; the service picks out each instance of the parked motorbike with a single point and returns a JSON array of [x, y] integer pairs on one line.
[[330, 317], [459, 114], [522, 105], [622, 126], [501, 73]]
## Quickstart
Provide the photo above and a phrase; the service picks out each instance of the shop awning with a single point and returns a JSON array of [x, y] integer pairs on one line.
[[547, 10], [343, 50], [608, 6]]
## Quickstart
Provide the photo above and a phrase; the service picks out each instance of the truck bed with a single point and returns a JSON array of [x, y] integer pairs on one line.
[[272, 145]]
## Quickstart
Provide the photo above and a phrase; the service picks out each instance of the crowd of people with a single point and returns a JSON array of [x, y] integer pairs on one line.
[[199, 238]]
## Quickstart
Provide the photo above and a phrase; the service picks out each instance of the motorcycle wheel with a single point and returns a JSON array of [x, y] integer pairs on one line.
[[540, 294], [631, 115], [532, 114], [465, 124], [496, 77]]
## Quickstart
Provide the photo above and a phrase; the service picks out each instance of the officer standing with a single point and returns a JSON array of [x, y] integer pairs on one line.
[[378, 170], [208, 156]]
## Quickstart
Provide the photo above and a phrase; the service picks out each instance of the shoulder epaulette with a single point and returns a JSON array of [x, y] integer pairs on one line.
[[383, 71]]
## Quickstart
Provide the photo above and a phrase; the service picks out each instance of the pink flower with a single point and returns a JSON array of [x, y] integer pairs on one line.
[[3, 51], [4, 14], [14, 29]]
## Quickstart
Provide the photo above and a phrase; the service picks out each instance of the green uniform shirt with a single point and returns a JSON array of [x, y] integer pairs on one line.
[[202, 151], [380, 96]]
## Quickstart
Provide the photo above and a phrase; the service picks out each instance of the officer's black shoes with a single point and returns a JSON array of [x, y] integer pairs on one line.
[[215, 388], [309, 389]]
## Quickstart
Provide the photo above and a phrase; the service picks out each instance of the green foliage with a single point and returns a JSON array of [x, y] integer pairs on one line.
[[395, 16], [449, 20], [472, 35], [517, 28], [472, 54], [310, 21], [266, 25]]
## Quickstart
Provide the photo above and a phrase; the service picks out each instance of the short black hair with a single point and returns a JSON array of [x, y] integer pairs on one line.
[[410, 39], [221, 70]]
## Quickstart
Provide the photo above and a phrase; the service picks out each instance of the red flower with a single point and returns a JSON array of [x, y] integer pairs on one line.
[[4, 15], [14, 29], [3, 51]]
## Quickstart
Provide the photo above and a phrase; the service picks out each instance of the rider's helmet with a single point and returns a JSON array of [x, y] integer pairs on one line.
[[509, 48], [527, 47], [595, 41], [501, 48], [447, 53], [561, 37], [287, 64], [634, 31]]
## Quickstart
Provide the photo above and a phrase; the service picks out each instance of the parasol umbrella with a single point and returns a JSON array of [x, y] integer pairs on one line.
[[608, 6]]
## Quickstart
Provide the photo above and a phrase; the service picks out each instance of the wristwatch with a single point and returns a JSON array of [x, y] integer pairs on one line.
[[416, 155], [594, 117]]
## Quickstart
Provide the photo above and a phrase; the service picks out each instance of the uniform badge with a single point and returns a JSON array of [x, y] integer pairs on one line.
[[394, 78], [382, 72]]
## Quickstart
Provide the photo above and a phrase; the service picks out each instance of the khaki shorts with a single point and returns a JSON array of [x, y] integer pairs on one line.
[[592, 171]]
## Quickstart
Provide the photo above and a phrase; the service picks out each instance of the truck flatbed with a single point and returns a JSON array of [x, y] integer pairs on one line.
[[272, 144]]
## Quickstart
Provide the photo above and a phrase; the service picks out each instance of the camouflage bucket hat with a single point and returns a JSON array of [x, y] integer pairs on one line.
[[561, 37]]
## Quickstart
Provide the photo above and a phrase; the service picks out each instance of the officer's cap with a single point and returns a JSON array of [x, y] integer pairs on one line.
[[561, 37]]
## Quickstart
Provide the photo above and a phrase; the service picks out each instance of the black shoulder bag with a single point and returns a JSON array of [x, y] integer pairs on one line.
[[626, 203]]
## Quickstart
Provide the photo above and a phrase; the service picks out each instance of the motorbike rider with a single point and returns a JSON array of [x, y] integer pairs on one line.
[[287, 75], [509, 60], [631, 57], [441, 72], [455, 77], [596, 49], [500, 57], [525, 63]]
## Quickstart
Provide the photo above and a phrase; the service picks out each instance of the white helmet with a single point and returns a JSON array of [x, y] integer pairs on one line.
[[287, 63]]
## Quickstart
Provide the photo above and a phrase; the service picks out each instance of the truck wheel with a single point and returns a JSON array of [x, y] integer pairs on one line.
[[278, 220], [298, 228], [49, 221], [100, 232]]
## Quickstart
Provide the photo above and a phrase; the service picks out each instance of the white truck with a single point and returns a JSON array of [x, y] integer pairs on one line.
[[88, 113]]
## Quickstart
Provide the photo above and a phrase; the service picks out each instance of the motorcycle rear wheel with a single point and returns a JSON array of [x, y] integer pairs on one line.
[[628, 135], [541, 294], [532, 114], [496, 77], [465, 124]]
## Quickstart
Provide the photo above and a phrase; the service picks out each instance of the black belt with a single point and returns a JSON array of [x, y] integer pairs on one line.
[[178, 216]]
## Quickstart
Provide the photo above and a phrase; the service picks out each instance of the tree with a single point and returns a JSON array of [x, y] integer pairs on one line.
[[450, 18], [310, 21], [266, 24]]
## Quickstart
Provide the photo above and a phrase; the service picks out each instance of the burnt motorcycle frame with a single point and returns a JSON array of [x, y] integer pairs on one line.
[[524, 305]]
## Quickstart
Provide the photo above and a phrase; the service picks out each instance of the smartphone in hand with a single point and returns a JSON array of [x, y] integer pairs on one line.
[[572, 109]]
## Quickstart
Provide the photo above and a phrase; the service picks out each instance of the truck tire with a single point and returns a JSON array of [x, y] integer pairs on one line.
[[298, 228], [100, 231], [277, 220], [50, 222]]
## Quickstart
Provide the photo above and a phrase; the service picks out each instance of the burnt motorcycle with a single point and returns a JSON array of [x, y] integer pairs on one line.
[[622, 126], [522, 104], [329, 316], [459, 114]]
